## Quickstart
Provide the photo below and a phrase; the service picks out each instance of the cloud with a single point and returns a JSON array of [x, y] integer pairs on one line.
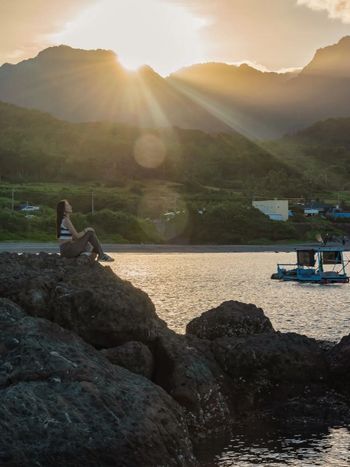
[[275, 33], [26, 25], [337, 9]]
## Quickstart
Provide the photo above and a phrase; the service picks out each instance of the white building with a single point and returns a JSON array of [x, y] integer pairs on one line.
[[275, 209]]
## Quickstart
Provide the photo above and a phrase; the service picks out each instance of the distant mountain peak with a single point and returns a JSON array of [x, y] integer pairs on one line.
[[247, 67], [65, 52], [333, 60], [344, 41], [147, 70]]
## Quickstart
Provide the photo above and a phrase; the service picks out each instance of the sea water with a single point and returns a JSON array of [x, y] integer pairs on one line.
[[184, 285]]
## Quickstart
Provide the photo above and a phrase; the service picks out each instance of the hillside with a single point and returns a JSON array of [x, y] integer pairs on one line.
[[87, 86], [35, 146], [321, 152]]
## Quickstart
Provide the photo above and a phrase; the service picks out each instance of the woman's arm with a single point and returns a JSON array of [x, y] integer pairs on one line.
[[68, 223]]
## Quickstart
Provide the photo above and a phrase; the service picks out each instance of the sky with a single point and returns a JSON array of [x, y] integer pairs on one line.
[[170, 34]]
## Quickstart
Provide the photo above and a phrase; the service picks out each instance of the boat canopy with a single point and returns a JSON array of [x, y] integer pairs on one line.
[[328, 255], [331, 257], [306, 257]]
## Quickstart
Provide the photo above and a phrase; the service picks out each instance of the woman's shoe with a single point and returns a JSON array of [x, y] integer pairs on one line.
[[106, 258], [85, 253]]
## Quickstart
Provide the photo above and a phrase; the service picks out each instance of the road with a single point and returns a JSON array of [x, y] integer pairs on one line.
[[21, 247]]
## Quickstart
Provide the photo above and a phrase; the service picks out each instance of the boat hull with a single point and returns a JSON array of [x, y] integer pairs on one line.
[[296, 276]]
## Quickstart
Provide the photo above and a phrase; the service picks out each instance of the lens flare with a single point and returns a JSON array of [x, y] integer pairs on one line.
[[167, 210], [149, 151]]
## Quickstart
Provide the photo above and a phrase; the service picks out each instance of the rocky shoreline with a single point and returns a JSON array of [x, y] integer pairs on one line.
[[90, 375]]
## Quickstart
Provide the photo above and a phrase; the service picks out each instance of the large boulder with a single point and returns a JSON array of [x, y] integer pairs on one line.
[[229, 319], [187, 370], [273, 359], [339, 363], [79, 295], [63, 403], [134, 356]]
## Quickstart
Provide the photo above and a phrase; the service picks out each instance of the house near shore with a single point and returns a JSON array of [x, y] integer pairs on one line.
[[275, 209], [315, 208], [338, 214]]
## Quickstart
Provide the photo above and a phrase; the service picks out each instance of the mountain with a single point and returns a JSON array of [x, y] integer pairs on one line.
[[332, 61], [320, 152], [35, 146], [271, 104], [244, 97], [86, 86], [79, 85]]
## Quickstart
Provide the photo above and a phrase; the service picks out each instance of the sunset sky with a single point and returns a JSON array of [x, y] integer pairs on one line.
[[170, 34]]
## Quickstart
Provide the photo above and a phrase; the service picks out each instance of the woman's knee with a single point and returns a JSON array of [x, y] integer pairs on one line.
[[90, 234]]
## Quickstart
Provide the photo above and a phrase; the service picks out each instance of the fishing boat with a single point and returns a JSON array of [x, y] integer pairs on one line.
[[319, 264]]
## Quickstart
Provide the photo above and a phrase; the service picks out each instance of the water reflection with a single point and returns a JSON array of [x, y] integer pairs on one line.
[[329, 448], [183, 285]]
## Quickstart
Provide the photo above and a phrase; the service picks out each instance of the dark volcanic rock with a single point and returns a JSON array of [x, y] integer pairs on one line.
[[273, 370], [187, 370], [63, 404], [339, 362], [276, 358], [230, 319], [79, 295], [133, 356]]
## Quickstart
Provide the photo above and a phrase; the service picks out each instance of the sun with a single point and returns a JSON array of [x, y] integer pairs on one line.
[[161, 34]]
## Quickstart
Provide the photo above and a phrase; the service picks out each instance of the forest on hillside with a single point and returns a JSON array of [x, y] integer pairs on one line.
[[37, 147]]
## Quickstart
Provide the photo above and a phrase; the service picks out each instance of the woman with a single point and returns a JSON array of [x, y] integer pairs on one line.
[[73, 243]]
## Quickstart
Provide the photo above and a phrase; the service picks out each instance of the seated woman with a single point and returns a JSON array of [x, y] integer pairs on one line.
[[73, 243]]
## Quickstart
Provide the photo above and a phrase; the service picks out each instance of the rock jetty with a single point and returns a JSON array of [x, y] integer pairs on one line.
[[90, 375]]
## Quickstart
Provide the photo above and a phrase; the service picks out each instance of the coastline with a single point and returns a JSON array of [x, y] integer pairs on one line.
[[24, 247]]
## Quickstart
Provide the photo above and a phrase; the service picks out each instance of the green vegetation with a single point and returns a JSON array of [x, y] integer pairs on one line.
[[208, 181], [137, 213], [36, 147], [321, 154]]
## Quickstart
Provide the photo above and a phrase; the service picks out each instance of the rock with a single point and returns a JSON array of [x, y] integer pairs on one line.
[[230, 319], [84, 297], [312, 408], [63, 404], [134, 356], [266, 361], [339, 363], [186, 369]]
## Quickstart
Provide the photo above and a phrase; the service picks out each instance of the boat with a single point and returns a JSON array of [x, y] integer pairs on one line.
[[319, 264]]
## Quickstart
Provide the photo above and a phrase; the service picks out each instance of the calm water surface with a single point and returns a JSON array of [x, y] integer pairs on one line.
[[182, 286], [328, 448]]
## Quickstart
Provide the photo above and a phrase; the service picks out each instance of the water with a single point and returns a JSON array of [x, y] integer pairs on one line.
[[182, 286], [329, 448]]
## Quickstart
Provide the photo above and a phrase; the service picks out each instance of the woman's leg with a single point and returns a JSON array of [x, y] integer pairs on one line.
[[76, 247], [93, 240]]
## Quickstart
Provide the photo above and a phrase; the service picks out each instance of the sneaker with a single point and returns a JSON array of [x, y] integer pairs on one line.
[[106, 258]]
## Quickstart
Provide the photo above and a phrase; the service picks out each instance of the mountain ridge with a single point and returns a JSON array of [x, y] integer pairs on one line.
[[80, 85]]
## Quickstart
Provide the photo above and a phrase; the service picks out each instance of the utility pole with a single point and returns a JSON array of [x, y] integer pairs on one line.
[[92, 203], [13, 200]]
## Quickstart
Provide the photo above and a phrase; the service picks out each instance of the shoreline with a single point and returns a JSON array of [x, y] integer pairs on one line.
[[24, 247]]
